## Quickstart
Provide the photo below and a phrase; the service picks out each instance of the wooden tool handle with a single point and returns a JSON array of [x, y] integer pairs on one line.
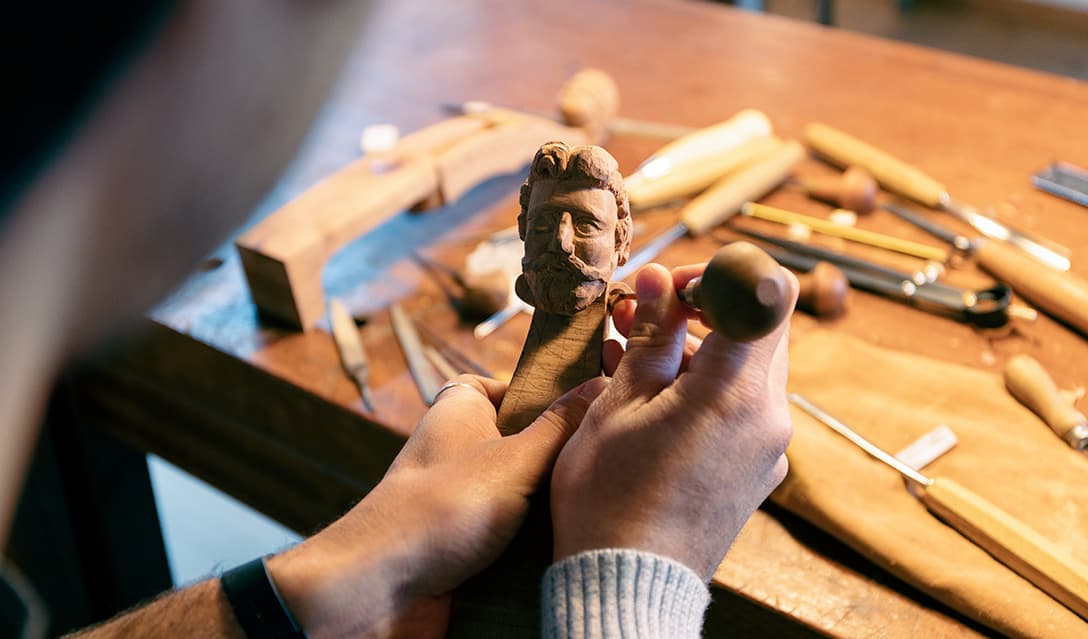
[[892, 173], [692, 178], [712, 140], [1060, 295], [589, 99], [852, 233], [722, 200], [743, 293], [1011, 542], [824, 290], [1030, 384], [854, 190]]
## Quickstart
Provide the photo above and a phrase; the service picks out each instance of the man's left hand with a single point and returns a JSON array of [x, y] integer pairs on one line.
[[446, 509]]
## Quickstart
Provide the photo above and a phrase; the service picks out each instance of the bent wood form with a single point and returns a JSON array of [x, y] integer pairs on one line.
[[284, 254]]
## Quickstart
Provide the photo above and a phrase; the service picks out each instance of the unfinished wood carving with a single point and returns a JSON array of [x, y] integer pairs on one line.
[[576, 225]]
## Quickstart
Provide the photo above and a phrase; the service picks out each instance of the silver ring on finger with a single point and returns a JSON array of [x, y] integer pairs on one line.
[[450, 385]]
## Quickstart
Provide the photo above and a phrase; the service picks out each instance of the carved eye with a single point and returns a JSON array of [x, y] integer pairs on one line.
[[587, 226]]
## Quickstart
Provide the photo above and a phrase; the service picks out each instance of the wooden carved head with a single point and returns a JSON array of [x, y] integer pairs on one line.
[[576, 225]]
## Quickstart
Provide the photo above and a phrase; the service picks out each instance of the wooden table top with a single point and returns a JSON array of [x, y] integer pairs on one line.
[[268, 415]]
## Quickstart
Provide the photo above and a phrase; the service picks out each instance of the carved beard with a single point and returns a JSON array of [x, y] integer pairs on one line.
[[560, 284]]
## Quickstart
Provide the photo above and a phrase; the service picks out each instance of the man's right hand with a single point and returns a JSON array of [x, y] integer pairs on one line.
[[679, 451]]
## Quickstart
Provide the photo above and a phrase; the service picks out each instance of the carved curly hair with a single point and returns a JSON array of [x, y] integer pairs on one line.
[[586, 164]]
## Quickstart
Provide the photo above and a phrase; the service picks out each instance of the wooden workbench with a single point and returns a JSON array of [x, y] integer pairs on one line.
[[267, 414]]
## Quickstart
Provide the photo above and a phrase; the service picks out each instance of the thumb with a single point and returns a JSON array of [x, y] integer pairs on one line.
[[532, 452]]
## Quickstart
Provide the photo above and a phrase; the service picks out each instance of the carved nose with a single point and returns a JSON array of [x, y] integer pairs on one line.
[[564, 234]]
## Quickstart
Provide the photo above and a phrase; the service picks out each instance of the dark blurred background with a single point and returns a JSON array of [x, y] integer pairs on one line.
[[1046, 35]]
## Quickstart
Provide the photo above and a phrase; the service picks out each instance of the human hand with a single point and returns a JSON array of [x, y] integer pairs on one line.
[[446, 509], [685, 443]]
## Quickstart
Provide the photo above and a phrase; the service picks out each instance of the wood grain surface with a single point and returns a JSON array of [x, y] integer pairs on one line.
[[267, 414]]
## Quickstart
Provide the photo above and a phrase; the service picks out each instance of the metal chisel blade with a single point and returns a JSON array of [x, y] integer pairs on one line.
[[422, 372], [1044, 251]]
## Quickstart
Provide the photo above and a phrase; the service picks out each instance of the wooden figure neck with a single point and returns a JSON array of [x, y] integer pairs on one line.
[[560, 353]]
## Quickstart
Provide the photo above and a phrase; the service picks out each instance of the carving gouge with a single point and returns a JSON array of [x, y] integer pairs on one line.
[[1030, 384], [1061, 295], [1009, 540], [352, 354], [988, 308], [904, 179], [722, 201]]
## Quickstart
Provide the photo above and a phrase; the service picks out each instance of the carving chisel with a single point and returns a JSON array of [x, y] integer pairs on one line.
[[1061, 295], [959, 242], [901, 178], [852, 233], [721, 201], [425, 378], [1009, 540], [352, 354], [697, 160], [918, 277], [987, 308], [1064, 180]]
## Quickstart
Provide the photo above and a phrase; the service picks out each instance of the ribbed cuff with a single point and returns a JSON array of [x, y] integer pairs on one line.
[[600, 594]]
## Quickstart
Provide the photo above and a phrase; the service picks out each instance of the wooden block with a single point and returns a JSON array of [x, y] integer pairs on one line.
[[283, 255]]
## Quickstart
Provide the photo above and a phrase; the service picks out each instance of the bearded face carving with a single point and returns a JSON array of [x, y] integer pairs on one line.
[[576, 224]]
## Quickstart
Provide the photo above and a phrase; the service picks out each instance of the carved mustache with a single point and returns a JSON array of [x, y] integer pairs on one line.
[[563, 264]]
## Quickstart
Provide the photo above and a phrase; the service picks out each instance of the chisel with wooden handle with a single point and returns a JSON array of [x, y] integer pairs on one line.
[[722, 201], [899, 177], [1008, 539], [692, 163], [1030, 384], [352, 354], [1063, 296]]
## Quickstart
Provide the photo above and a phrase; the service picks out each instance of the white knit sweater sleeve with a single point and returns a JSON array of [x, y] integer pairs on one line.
[[612, 593]]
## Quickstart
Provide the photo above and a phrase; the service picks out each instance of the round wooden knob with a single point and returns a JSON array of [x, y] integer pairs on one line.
[[854, 190], [589, 99], [743, 293], [824, 290]]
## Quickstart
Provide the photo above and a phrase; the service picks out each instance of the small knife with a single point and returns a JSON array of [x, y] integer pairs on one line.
[[352, 354]]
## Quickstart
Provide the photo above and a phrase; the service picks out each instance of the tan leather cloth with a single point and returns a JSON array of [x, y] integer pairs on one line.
[[1005, 454]]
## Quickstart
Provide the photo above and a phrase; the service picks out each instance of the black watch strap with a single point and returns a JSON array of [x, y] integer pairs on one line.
[[257, 604]]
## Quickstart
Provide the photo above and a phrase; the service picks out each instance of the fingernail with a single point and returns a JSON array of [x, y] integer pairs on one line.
[[648, 285], [593, 388]]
